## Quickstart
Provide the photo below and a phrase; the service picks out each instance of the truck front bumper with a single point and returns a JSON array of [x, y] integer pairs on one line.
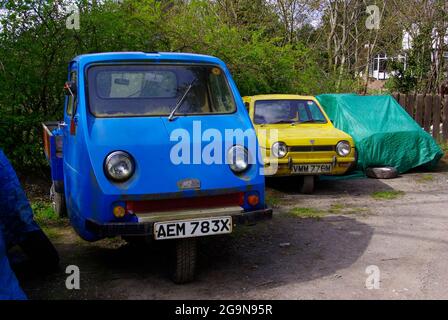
[[146, 227], [284, 166]]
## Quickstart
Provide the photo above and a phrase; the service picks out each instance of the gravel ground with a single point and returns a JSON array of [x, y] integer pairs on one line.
[[320, 252]]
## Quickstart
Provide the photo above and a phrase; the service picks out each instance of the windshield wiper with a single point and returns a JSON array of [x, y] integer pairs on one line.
[[312, 121], [284, 121], [179, 103]]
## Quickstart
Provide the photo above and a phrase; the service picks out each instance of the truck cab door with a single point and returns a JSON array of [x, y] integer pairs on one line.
[[70, 123]]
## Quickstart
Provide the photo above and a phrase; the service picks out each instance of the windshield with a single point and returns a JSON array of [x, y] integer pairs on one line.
[[287, 111], [154, 90]]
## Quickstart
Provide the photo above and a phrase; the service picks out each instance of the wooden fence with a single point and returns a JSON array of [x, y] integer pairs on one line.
[[429, 111]]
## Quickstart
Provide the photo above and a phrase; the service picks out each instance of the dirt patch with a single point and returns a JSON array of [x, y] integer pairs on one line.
[[291, 257]]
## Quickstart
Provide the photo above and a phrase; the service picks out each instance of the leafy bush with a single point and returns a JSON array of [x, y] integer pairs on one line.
[[36, 47]]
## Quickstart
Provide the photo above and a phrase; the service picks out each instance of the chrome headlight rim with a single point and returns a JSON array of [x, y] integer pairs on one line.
[[118, 153], [275, 149], [237, 169], [340, 147]]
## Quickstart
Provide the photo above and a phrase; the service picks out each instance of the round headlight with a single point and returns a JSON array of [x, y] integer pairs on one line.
[[343, 148], [119, 166], [238, 159], [279, 149]]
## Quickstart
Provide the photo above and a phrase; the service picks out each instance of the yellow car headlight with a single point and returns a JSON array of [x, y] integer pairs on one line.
[[343, 148], [279, 149]]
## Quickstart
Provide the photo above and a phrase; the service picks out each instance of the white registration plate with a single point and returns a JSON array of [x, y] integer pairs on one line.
[[311, 168], [192, 228]]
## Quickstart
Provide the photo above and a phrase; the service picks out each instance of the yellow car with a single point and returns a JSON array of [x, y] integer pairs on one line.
[[297, 138]]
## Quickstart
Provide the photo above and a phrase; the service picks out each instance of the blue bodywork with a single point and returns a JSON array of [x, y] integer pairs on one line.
[[16, 220], [54, 157], [9, 286], [16, 215], [91, 195]]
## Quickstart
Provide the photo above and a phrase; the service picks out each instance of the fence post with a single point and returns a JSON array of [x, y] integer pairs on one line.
[[402, 100], [410, 105], [445, 118], [396, 95], [419, 110], [427, 114], [436, 108]]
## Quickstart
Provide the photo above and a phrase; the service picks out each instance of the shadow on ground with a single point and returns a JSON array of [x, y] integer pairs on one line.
[[352, 187], [283, 251]]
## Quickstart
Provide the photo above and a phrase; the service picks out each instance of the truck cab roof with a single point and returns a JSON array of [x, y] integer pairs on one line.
[[154, 56]]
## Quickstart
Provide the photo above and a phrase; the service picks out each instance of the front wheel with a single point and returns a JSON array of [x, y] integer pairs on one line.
[[307, 186], [58, 202], [184, 264]]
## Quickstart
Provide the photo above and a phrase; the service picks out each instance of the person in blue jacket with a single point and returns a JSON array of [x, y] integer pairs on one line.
[[9, 286], [17, 227]]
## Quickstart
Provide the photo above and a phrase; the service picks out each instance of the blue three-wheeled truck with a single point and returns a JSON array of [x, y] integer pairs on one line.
[[113, 167]]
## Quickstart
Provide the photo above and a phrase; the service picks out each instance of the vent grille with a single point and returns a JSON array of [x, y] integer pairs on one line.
[[311, 148]]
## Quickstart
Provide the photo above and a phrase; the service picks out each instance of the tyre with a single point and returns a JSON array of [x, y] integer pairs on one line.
[[41, 252], [382, 172], [184, 262], [307, 186], [58, 202]]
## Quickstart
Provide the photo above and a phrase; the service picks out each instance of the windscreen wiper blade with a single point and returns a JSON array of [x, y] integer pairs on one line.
[[179, 103], [312, 121], [284, 121]]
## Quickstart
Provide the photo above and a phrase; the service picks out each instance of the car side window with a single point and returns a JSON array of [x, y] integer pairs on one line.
[[71, 100], [303, 114]]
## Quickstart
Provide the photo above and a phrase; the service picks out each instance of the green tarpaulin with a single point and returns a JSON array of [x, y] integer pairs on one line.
[[384, 133]]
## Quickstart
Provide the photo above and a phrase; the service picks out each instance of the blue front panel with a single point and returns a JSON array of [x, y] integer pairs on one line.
[[91, 195]]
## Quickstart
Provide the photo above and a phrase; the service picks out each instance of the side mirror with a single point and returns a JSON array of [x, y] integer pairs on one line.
[[70, 88], [246, 104]]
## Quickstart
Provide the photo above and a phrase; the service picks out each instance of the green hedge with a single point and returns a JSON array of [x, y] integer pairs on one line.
[[35, 52]]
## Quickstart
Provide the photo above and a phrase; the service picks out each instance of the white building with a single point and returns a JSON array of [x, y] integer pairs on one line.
[[378, 65]]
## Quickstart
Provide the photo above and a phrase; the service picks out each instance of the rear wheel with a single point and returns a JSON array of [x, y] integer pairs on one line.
[[58, 202], [307, 185], [184, 262]]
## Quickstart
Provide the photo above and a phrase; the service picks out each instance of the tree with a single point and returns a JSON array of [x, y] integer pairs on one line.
[[425, 22]]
